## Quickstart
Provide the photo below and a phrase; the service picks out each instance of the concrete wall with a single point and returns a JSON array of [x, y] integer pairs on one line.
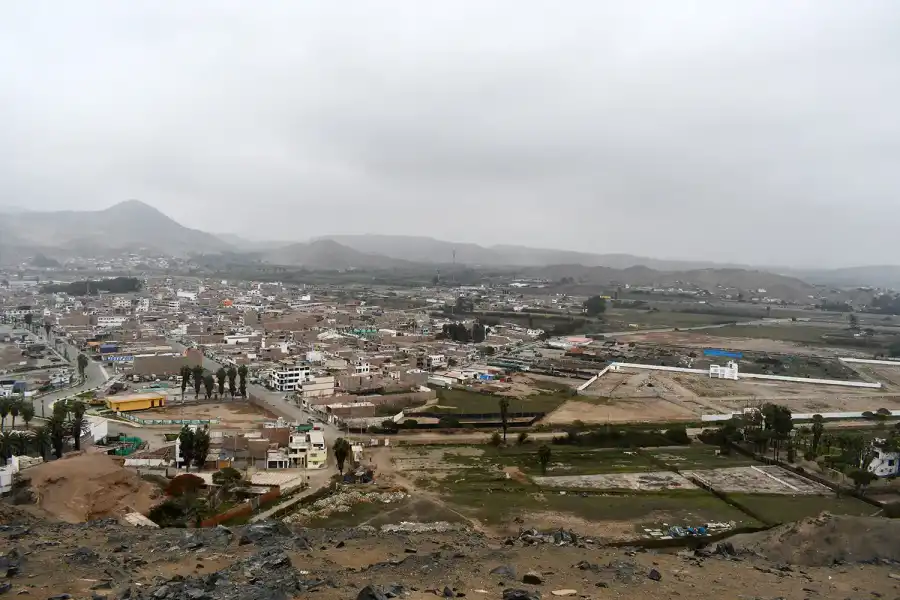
[[837, 382]]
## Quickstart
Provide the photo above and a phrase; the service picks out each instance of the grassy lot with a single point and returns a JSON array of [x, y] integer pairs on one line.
[[499, 506], [781, 509], [618, 319], [699, 457], [464, 401], [569, 460], [789, 333]]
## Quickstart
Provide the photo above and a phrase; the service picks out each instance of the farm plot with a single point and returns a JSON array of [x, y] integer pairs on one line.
[[654, 481]]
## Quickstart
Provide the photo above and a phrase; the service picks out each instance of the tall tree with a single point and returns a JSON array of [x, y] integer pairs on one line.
[[58, 431], [15, 407], [27, 413], [221, 375], [40, 440], [29, 319], [209, 385], [544, 457], [201, 445], [242, 374], [185, 378], [818, 428], [186, 446], [78, 424], [595, 305], [7, 443], [504, 414], [232, 385], [47, 329], [82, 365], [4, 410], [197, 372], [341, 451]]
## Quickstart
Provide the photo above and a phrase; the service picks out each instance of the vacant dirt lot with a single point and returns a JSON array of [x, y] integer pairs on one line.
[[763, 479], [621, 410], [696, 339], [644, 482], [235, 415]]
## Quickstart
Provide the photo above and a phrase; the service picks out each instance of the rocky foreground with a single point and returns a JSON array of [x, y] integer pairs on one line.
[[104, 559]]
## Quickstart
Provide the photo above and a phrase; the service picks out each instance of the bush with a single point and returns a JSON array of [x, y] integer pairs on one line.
[[449, 422], [678, 434], [496, 439], [523, 438]]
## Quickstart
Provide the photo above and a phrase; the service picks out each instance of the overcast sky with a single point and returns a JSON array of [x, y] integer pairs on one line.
[[753, 131]]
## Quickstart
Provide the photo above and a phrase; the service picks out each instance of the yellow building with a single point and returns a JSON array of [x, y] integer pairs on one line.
[[135, 402]]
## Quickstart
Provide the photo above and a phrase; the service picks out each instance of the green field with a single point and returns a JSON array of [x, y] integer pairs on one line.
[[776, 508], [570, 460], [618, 319], [699, 456]]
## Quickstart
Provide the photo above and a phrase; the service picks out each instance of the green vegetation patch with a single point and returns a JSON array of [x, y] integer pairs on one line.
[[782, 509], [466, 402]]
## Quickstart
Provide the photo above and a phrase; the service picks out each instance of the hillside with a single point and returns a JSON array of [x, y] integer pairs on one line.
[[127, 225], [430, 250], [328, 255], [714, 280]]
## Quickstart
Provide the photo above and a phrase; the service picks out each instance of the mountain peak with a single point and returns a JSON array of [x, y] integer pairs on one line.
[[132, 207]]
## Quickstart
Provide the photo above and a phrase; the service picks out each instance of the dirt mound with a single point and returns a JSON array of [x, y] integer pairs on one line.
[[827, 540], [85, 487]]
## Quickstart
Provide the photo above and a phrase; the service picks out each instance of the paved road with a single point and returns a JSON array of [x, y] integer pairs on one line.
[[95, 374], [275, 401]]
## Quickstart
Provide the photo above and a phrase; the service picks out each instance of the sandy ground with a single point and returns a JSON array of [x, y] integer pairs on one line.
[[645, 482], [690, 339], [760, 480], [231, 415], [619, 411], [84, 487]]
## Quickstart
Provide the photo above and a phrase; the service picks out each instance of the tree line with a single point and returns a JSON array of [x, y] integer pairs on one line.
[[65, 426], [213, 385], [114, 285]]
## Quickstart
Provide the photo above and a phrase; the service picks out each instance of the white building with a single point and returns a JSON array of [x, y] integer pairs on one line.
[[729, 371], [192, 296], [362, 367], [143, 305], [121, 302], [435, 361], [318, 387], [885, 463], [288, 376], [111, 320]]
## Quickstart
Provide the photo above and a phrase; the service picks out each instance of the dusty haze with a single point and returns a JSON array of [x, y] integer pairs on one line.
[[757, 132]]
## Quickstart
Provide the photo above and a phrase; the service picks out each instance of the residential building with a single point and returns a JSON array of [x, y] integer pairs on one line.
[[318, 387], [135, 402], [111, 320], [288, 376], [885, 463]]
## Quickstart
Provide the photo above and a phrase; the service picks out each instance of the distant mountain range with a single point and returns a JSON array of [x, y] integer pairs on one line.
[[125, 226], [133, 225]]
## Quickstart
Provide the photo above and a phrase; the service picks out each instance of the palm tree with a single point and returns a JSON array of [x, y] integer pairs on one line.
[[78, 424], [82, 365], [6, 445], [232, 376], [221, 374], [544, 457], [58, 431], [341, 451], [185, 378], [47, 330], [14, 408], [4, 411], [197, 372], [27, 413], [504, 409], [209, 384], [186, 446], [242, 373], [818, 428], [40, 441]]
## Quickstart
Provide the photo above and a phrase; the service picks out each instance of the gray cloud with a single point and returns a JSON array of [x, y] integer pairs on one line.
[[761, 132]]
